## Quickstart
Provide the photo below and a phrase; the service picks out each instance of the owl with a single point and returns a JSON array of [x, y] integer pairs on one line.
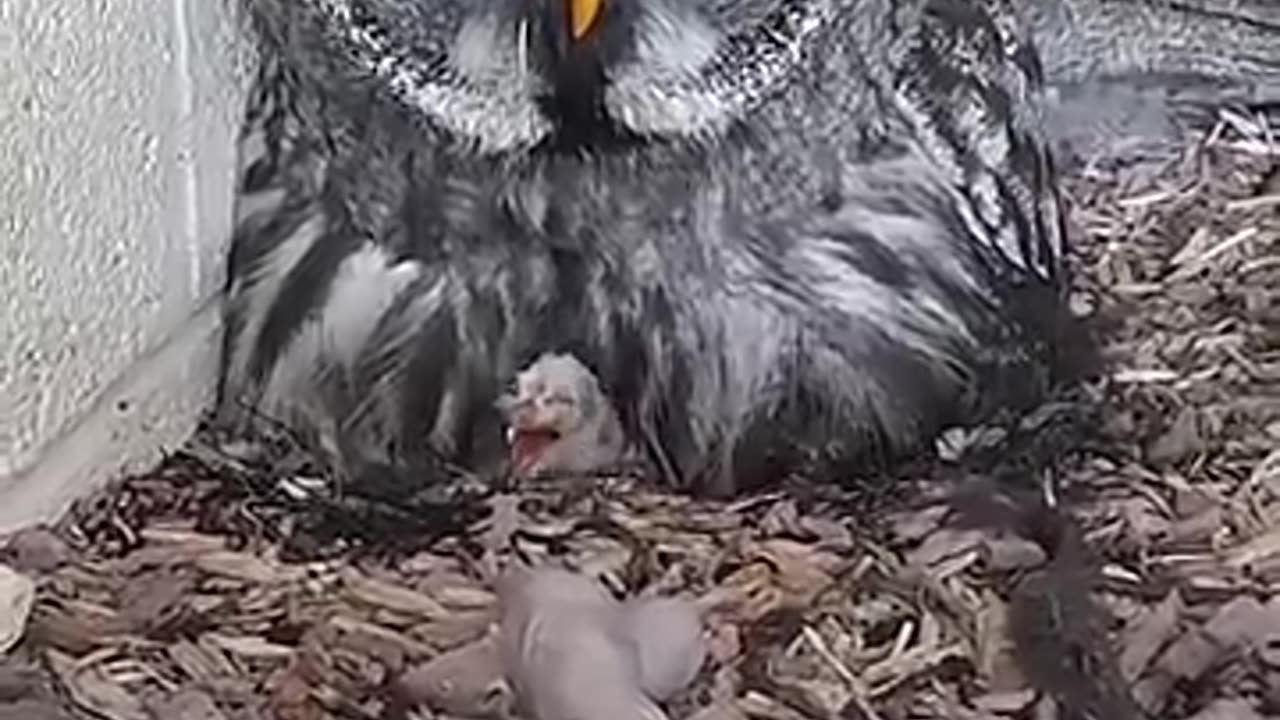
[[783, 234]]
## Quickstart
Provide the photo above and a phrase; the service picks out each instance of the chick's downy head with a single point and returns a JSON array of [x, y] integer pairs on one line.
[[557, 416]]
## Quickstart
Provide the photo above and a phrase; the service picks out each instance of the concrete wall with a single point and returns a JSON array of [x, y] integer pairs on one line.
[[117, 124]]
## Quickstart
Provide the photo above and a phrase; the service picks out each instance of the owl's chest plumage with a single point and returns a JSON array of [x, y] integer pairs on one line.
[[604, 208]]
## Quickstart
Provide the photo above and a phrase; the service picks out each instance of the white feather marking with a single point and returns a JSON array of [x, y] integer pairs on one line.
[[857, 295], [291, 388], [522, 48], [256, 290], [675, 46], [366, 284], [250, 204], [496, 115], [671, 87]]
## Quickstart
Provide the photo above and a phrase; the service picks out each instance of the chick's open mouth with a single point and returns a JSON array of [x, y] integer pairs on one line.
[[528, 444]]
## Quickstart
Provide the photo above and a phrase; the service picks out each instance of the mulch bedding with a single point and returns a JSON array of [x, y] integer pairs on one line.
[[1136, 576]]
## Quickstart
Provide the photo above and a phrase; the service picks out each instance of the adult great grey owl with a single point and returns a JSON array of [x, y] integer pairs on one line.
[[775, 229]]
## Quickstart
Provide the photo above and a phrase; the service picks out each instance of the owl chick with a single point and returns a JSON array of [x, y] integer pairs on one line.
[[559, 420], [569, 650]]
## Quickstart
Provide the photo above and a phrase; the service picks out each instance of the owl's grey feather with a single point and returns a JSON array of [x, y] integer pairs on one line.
[[772, 228], [1121, 70], [1230, 41]]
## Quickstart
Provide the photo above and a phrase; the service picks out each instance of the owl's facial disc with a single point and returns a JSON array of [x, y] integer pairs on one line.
[[634, 69]]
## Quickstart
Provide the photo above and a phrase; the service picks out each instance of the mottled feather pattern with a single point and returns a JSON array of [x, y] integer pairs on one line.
[[735, 322], [775, 231], [973, 94]]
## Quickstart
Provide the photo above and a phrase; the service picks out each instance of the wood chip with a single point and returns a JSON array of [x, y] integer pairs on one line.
[[185, 705], [366, 590], [466, 682], [17, 597], [94, 691]]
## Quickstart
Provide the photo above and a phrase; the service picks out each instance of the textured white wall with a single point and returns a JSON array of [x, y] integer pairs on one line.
[[117, 124]]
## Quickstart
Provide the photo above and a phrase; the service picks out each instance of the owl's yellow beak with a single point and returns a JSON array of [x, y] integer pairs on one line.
[[583, 15]]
